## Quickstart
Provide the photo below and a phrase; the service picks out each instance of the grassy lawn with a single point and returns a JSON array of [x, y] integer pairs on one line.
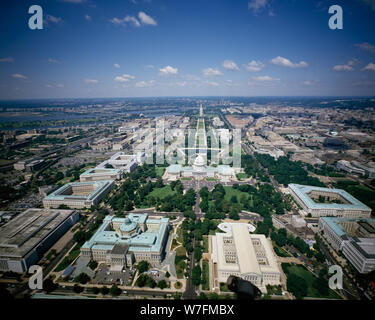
[[211, 179], [186, 179], [205, 275], [181, 251], [180, 262], [179, 235], [159, 171], [229, 192], [161, 192], [280, 251], [205, 244], [74, 253], [309, 277], [241, 176]]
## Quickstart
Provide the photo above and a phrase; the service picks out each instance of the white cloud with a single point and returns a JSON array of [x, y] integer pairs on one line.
[[230, 65], [254, 66], [58, 85], [117, 21], [149, 66], [87, 17], [192, 77], [19, 76], [211, 72], [91, 81], [284, 62], [179, 84], [168, 70], [145, 19], [124, 78], [230, 83], [366, 46], [145, 84], [52, 60], [369, 67], [307, 83], [211, 83], [265, 78], [343, 67], [133, 20], [8, 59], [352, 62], [53, 19], [116, 65], [257, 5]]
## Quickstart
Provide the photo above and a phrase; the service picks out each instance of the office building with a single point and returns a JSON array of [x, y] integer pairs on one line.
[[78, 195], [328, 202], [24, 239], [354, 237], [120, 242], [98, 174], [245, 255]]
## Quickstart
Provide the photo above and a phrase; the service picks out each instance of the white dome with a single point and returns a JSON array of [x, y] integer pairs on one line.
[[199, 161]]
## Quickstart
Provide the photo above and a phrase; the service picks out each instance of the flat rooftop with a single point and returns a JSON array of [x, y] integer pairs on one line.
[[246, 251], [100, 171], [302, 192], [148, 241], [79, 190], [334, 223], [28, 229]]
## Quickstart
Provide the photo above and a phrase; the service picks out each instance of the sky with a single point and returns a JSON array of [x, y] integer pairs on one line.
[[141, 48]]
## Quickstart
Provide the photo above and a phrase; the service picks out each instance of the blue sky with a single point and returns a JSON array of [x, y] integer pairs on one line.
[[97, 48]]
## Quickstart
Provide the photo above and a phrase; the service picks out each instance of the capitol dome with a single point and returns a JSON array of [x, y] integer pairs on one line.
[[199, 161]]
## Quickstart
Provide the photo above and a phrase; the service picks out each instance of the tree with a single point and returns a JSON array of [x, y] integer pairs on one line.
[[143, 266], [213, 296], [82, 278], [296, 285], [198, 253], [63, 206], [141, 281], [196, 275], [95, 290], [167, 274], [162, 284], [79, 237], [104, 290], [49, 285], [114, 291], [93, 264], [77, 288], [150, 282], [202, 296], [234, 215], [233, 199]]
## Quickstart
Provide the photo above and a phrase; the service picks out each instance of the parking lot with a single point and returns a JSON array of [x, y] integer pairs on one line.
[[104, 276]]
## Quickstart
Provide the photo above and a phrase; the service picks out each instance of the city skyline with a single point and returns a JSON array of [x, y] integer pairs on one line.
[[91, 49]]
